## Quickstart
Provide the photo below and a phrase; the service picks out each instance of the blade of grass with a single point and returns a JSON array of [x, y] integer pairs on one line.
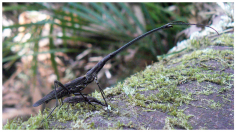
[[101, 21], [97, 32], [132, 16], [73, 25], [43, 22], [152, 24], [158, 12], [157, 7], [89, 40], [51, 46], [53, 51], [81, 27], [22, 7], [8, 45], [36, 49], [64, 33], [100, 8], [83, 15], [120, 16]]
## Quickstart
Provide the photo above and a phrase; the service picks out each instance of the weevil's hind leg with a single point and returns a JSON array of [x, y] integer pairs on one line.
[[60, 84], [51, 112], [56, 83], [86, 99], [55, 86], [103, 94]]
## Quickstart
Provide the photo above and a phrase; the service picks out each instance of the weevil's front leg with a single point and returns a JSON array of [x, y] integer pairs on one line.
[[103, 94]]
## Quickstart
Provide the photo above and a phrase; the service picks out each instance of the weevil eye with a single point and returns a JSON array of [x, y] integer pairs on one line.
[[169, 25]]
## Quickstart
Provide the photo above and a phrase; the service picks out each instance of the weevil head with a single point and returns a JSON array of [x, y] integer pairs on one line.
[[168, 25]]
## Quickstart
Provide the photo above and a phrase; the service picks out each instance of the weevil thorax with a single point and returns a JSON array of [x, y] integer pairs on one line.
[[78, 84]]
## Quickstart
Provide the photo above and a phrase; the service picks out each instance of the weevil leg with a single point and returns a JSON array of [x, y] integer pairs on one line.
[[56, 83], [103, 94], [55, 86], [60, 84], [51, 113], [87, 99], [92, 99]]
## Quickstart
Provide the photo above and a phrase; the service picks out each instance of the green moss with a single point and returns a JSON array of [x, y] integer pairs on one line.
[[212, 104], [12, 125], [140, 103], [225, 40], [32, 123], [79, 124], [140, 96], [180, 121]]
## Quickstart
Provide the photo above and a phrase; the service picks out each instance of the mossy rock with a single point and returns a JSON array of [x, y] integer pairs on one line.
[[192, 89]]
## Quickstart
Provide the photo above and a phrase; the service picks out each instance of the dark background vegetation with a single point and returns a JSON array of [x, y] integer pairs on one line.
[[43, 42]]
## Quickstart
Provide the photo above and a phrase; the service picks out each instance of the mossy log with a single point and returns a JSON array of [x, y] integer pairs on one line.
[[192, 89]]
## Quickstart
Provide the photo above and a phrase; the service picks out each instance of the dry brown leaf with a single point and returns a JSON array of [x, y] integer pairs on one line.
[[11, 95]]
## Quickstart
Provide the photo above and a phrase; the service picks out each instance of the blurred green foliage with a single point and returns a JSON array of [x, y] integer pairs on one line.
[[106, 26]]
